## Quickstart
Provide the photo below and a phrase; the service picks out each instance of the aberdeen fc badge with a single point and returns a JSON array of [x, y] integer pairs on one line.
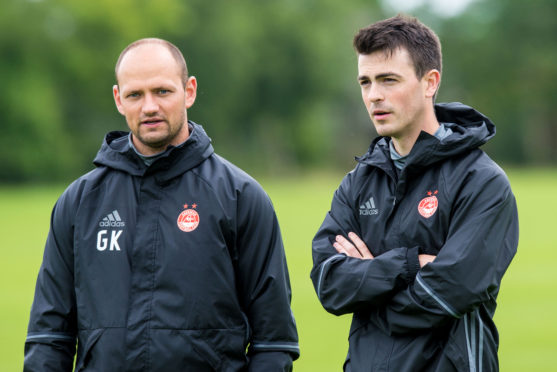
[[188, 220], [428, 205]]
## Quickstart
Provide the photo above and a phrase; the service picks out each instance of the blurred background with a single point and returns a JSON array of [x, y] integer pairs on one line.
[[277, 79], [278, 94]]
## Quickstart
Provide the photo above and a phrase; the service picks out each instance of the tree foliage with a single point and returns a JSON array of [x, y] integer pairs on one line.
[[277, 79], [502, 60]]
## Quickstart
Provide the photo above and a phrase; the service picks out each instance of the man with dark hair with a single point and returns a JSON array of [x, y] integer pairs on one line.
[[421, 232], [166, 257]]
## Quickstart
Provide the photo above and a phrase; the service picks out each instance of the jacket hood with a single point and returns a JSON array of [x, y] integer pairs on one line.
[[471, 129], [117, 153]]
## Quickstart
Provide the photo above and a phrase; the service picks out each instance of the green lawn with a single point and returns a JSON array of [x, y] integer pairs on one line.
[[527, 304]]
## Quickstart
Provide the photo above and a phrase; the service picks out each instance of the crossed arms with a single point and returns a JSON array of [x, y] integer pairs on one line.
[[355, 247], [403, 290]]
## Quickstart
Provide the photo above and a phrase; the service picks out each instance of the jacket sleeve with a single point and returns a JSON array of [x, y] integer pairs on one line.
[[264, 284], [346, 284], [52, 330], [467, 272]]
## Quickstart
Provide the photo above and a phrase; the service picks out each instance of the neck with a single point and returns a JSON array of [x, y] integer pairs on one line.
[[403, 144], [146, 150]]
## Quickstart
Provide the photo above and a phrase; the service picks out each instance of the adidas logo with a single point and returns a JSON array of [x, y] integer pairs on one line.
[[368, 208], [112, 220]]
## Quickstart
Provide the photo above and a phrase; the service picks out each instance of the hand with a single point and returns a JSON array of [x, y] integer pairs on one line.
[[425, 259], [355, 248]]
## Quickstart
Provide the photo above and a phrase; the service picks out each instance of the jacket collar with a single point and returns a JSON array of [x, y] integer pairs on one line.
[[116, 153], [471, 129]]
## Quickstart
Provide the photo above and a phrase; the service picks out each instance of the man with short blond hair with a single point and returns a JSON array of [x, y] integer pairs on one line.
[[166, 257]]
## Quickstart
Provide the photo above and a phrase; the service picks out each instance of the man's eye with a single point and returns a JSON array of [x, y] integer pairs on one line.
[[364, 82], [132, 95], [164, 91], [389, 80]]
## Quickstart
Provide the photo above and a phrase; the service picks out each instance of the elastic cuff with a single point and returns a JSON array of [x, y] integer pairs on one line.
[[289, 347], [413, 264]]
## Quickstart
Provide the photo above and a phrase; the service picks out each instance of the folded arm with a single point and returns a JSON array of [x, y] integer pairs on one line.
[[467, 272], [345, 282]]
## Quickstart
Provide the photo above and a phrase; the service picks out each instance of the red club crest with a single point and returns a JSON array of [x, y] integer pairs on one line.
[[428, 205], [188, 220]]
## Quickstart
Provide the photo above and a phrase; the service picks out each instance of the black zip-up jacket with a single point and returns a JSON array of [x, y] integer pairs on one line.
[[450, 200], [178, 266]]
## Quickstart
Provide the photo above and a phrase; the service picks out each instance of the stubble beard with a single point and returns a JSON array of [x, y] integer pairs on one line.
[[160, 144]]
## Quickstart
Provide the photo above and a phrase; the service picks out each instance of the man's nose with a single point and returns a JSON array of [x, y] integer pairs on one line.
[[374, 93], [150, 105]]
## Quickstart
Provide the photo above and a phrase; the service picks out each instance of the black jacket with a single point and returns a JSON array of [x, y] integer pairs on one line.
[[178, 266], [450, 200]]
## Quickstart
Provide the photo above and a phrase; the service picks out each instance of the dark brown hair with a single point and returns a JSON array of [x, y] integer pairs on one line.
[[402, 32], [173, 49]]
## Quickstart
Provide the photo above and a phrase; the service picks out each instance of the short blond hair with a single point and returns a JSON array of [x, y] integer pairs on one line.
[[173, 49]]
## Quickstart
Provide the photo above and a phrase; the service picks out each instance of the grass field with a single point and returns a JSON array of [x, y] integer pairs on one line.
[[526, 316]]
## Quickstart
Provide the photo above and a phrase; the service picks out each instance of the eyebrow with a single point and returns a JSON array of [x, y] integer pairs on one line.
[[379, 76], [138, 90], [129, 91]]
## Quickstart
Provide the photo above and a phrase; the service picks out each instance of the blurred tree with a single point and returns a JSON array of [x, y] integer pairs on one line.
[[274, 77], [57, 72], [271, 83], [501, 59], [277, 79]]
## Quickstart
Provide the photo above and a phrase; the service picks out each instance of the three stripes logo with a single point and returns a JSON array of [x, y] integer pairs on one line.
[[368, 208], [113, 219]]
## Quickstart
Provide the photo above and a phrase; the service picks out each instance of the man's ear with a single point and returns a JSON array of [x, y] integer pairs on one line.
[[191, 91], [431, 80], [117, 99]]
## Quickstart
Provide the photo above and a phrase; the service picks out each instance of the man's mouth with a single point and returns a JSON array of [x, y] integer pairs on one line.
[[380, 114], [153, 121]]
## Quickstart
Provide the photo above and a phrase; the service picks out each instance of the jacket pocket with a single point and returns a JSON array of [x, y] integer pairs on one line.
[[224, 348], [368, 349], [86, 340], [199, 350]]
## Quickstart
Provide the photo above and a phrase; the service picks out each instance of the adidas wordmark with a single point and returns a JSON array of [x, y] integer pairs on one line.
[[368, 208]]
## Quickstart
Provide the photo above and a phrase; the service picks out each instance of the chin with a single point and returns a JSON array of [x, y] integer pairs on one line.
[[384, 132]]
